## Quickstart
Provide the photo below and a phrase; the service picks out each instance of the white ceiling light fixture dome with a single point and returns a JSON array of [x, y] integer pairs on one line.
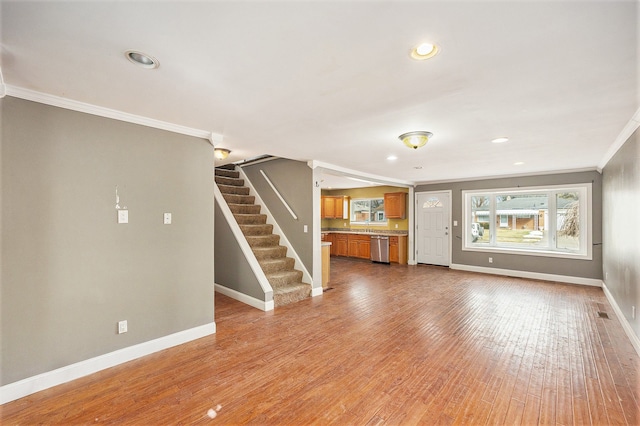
[[415, 139], [142, 59], [500, 140], [424, 51], [221, 153]]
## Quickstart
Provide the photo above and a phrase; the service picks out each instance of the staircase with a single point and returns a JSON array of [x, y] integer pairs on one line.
[[284, 279]]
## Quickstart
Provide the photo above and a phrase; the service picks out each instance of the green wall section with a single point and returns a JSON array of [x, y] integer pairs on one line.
[[69, 271], [369, 192]]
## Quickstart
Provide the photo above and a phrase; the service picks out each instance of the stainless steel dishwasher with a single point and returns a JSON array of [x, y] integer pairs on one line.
[[380, 248]]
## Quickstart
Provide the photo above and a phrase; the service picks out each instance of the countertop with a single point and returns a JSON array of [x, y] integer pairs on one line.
[[361, 232]]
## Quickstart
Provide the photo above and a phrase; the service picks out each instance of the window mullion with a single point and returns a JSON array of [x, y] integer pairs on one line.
[[553, 221], [492, 220]]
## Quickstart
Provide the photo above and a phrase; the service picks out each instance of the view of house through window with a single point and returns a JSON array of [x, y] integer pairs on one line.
[[368, 211], [549, 220]]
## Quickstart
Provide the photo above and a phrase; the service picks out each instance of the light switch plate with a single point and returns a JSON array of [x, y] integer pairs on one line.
[[167, 218], [123, 216]]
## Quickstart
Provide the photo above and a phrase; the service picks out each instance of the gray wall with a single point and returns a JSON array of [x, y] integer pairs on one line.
[[548, 265], [621, 228], [69, 271], [294, 181], [232, 268]]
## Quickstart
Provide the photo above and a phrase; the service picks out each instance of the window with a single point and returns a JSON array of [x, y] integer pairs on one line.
[[368, 211], [551, 221]]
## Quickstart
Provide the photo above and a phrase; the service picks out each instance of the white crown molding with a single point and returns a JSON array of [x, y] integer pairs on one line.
[[30, 385], [377, 179], [57, 101], [626, 132]]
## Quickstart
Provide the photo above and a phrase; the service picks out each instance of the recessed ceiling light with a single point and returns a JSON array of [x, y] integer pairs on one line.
[[500, 140], [518, 163], [392, 157], [417, 167], [424, 51], [142, 59]]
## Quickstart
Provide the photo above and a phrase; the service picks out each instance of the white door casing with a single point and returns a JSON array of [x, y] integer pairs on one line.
[[433, 228]]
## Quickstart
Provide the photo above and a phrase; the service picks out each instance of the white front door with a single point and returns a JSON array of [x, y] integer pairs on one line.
[[433, 232]]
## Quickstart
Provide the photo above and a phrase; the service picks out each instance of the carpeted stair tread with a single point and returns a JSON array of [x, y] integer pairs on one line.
[[270, 266], [269, 252], [291, 294], [232, 189], [244, 208], [263, 240], [239, 199], [225, 180], [281, 279], [226, 173], [260, 229], [251, 219]]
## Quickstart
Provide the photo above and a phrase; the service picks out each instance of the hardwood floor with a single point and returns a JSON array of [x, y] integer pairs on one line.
[[386, 345]]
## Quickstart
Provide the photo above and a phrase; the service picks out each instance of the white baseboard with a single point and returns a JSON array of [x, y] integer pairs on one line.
[[532, 275], [34, 384], [241, 297], [635, 340], [316, 291]]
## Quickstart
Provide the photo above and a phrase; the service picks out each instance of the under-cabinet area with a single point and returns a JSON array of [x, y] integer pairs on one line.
[[358, 245]]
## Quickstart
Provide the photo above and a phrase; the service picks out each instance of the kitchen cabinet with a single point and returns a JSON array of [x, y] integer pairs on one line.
[[342, 245], [359, 246], [398, 249], [332, 207], [395, 205]]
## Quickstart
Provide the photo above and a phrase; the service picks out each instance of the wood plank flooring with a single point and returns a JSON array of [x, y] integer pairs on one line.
[[387, 345]]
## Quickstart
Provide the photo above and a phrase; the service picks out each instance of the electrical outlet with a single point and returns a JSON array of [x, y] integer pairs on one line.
[[455, 223], [491, 260], [305, 228], [167, 218], [122, 327], [396, 226]]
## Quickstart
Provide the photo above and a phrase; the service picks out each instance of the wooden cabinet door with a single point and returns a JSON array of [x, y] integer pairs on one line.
[[364, 247], [342, 248], [395, 205], [328, 207], [393, 249], [353, 246], [339, 207]]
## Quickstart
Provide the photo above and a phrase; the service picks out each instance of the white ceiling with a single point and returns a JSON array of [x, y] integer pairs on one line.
[[332, 81]]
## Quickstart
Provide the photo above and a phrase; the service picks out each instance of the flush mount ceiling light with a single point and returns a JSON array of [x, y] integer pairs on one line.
[[424, 51], [142, 59], [221, 153], [500, 140], [415, 139]]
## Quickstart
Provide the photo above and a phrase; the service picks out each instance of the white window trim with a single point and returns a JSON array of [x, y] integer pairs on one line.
[[586, 252]]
